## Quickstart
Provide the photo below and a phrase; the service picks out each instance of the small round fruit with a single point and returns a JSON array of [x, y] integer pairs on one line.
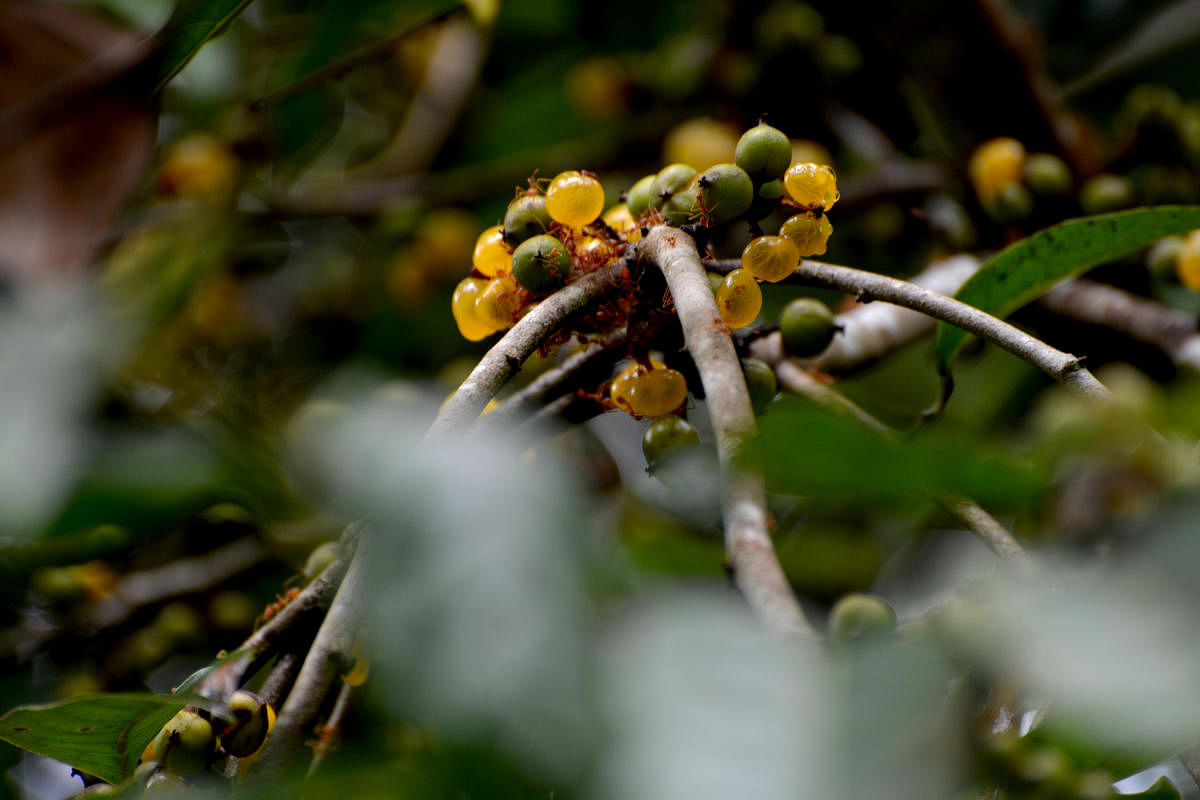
[[995, 164], [764, 153], [771, 258], [1187, 267], [186, 744], [1105, 193], [462, 306], [700, 142], [860, 616], [682, 207], [812, 186], [541, 263], [1162, 258], [1012, 203], [492, 256], [725, 192], [666, 435], [321, 557], [620, 388], [807, 327], [1047, 174], [620, 220], [638, 197], [593, 250], [760, 382], [499, 303], [809, 231], [526, 216], [669, 180], [658, 391], [574, 199], [739, 299], [253, 719], [766, 200], [166, 784]]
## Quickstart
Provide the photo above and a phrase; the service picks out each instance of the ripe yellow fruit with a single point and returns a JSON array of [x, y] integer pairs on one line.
[[462, 306], [700, 142], [739, 299], [1187, 266], [995, 164], [622, 221], [809, 231], [498, 303], [492, 256], [574, 199], [771, 258], [648, 392], [811, 186]]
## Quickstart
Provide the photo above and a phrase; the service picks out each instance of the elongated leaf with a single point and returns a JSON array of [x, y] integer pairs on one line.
[[192, 23], [102, 735], [1027, 269]]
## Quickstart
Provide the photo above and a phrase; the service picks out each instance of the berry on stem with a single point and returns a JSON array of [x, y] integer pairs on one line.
[[639, 196], [811, 186], [860, 616], [807, 327], [665, 436], [574, 199], [462, 306], [771, 258], [541, 263], [809, 231], [1187, 265], [498, 304], [763, 152], [725, 192], [995, 164], [760, 382], [739, 299], [526, 216], [669, 180], [492, 256]]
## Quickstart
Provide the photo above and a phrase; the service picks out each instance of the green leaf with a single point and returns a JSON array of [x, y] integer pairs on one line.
[[193, 23], [1162, 789], [102, 735], [1027, 269]]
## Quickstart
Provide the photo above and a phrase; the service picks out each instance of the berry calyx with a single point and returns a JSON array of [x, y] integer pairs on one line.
[[771, 258], [574, 199], [639, 196], [807, 327], [739, 299], [725, 192], [763, 152], [809, 231], [462, 306], [811, 186], [541, 263], [492, 256], [860, 616], [526, 216], [664, 437]]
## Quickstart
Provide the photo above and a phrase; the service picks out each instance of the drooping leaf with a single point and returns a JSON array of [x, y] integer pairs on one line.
[[193, 23], [1027, 269], [102, 735]]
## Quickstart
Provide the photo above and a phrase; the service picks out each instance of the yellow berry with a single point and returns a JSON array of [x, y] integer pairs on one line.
[[593, 251], [462, 306], [1187, 266], [198, 167], [492, 256], [620, 389], [498, 303], [771, 258], [995, 164], [574, 199], [809, 231], [648, 391], [700, 142], [811, 185], [621, 220], [739, 299]]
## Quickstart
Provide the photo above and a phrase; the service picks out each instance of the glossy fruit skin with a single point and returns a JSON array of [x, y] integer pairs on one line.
[[638, 198], [739, 299], [760, 382], [541, 263], [1047, 174], [995, 164], [809, 231], [492, 256], [253, 719], [860, 616], [623, 222], [574, 199], [771, 258], [665, 436], [812, 186], [807, 327], [682, 207], [725, 192], [186, 744], [669, 180], [763, 152], [1105, 193], [1187, 265], [766, 200], [499, 303], [648, 392], [462, 306], [526, 216]]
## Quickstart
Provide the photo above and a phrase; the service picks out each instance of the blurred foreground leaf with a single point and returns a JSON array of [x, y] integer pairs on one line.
[[1027, 269], [192, 24], [102, 735]]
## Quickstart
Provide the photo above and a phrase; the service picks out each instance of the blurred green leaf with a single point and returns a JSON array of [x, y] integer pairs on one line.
[[806, 451], [102, 735], [1025, 270], [192, 24], [1162, 789], [1163, 32]]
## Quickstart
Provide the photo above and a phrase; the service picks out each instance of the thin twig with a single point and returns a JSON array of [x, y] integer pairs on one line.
[[508, 354], [795, 379], [329, 654], [985, 526], [279, 680], [331, 731], [1062, 367], [748, 545]]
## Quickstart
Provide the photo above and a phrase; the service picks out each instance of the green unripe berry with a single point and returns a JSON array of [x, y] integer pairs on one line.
[[669, 180], [637, 199], [321, 557], [166, 784], [1105, 193], [665, 436], [145, 771], [860, 616], [725, 192], [764, 153], [1046, 174], [541, 263], [766, 200], [807, 327], [526, 216], [186, 744], [682, 207], [760, 382], [1012, 203], [253, 719]]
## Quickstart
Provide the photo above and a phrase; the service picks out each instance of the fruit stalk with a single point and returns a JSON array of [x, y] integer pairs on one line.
[[748, 545]]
